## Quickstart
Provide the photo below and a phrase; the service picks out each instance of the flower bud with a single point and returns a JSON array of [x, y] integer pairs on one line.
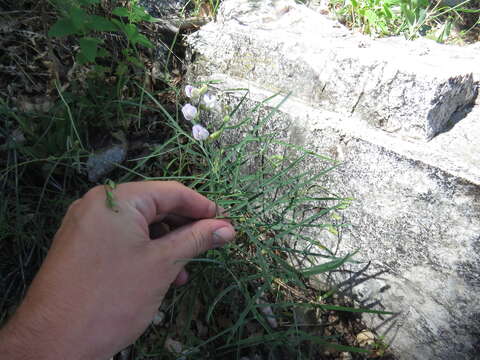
[[203, 90], [215, 135]]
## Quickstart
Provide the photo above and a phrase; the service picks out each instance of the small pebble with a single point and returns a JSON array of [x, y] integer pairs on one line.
[[365, 338], [159, 318]]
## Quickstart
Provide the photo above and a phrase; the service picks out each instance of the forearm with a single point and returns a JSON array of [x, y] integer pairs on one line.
[[18, 343], [31, 335]]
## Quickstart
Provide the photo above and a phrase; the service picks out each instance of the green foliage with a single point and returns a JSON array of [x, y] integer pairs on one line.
[[76, 19], [393, 17], [211, 4], [372, 16], [274, 201]]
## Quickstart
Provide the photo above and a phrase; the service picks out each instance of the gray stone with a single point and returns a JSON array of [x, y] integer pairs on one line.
[[408, 89], [453, 3], [165, 8], [415, 222], [101, 163], [416, 217]]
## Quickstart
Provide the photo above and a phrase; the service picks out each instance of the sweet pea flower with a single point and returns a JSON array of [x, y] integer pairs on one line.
[[199, 132], [209, 100], [189, 90], [189, 112]]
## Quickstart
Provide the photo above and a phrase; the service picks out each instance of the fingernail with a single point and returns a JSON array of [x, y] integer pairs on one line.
[[222, 236]]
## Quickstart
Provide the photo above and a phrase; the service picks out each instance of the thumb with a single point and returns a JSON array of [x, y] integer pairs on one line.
[[195, 238]]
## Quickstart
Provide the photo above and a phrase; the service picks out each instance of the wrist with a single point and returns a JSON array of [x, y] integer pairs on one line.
[[14, 343], [21, 339]]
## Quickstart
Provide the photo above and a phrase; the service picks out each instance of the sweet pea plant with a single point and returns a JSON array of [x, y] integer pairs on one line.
[[203, 100], [246, 296]]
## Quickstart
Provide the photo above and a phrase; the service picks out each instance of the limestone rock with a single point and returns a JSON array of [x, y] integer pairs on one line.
[[104, 161], [416, 217], [411, 90]]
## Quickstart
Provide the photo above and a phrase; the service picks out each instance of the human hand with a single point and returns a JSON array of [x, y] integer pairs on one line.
[[104, 278]]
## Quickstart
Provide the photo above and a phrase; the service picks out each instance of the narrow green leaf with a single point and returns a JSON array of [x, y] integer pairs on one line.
[[329, 266], [217, 299], [355, 310]]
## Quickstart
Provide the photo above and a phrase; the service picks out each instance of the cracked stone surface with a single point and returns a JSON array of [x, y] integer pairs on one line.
[[416, 217]]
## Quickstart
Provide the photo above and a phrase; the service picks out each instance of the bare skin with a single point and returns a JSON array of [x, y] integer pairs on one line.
[[104, 277]]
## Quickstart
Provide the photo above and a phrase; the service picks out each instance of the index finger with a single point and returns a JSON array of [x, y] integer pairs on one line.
[[154, 199]]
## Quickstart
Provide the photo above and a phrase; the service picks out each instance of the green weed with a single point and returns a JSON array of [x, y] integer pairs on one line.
[[76, 19], [411, 18]]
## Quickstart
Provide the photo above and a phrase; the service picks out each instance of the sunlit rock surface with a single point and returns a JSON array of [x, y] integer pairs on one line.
[[402, 118]]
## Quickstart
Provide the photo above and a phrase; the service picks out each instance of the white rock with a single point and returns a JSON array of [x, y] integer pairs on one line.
[[416, 219]]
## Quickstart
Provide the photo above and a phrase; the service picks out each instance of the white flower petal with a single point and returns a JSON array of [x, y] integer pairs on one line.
[[200, 133], [209, 100], [189, 112]]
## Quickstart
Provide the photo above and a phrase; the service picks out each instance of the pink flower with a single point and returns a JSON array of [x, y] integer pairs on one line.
[[200, 133], [189, 112]]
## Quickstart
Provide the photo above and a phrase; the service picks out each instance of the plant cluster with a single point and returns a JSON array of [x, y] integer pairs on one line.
[[247, 294], [75, 19], [411, 18], [204, 100]]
